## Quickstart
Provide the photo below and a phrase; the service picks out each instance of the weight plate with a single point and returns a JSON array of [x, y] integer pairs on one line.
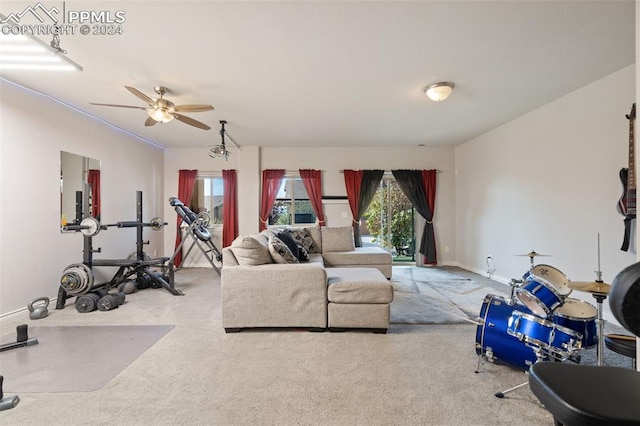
[[91, 227]]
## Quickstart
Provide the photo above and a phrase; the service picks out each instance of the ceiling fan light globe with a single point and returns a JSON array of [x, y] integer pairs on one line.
[[160, 114]]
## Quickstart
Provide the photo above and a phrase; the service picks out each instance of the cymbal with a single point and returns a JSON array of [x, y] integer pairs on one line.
[[597, 287], [532, 253]]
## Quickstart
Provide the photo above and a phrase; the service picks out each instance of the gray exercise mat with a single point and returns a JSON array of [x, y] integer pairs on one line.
[[75, 358]]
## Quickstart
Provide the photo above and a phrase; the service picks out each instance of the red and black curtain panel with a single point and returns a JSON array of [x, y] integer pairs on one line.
[[230, 207], [271, 180], [361, 187], [420, 188], [186, 182], [312, 181], [93, 179]]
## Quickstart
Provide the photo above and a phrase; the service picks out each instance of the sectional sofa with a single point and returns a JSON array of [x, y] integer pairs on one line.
[[310, 278]]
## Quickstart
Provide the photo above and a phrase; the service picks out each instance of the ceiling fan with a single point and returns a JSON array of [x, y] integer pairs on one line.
[[163, 110]]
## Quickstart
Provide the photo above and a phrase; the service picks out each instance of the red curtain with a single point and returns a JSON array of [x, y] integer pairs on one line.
[[353, 183], [312, 181], [186, 182], [94, 181], [429, 179], [271, 180], [230, 207]]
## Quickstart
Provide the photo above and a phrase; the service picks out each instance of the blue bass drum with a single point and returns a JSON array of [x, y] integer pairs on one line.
[[492, 339]]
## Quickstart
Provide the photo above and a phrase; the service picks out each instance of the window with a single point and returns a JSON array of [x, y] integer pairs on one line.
[[208, 196], [292, 205]]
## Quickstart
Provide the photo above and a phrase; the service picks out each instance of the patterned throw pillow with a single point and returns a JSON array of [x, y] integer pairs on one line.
[[279, 251], [302, 237], [286, 238], [303, 254]]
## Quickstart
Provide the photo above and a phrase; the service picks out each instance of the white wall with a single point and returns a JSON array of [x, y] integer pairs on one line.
[[33, 252], [548, 181], [250, 161]]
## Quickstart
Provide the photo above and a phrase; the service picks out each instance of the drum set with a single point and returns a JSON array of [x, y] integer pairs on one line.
[[539, 321]]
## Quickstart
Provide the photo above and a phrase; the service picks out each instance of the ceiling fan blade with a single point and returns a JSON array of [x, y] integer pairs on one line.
[[192, 108], [191, 121], [119, 106], [141, 95], [150, 122]]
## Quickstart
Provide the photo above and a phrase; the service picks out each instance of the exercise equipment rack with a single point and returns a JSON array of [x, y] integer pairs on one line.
[[77, 279]]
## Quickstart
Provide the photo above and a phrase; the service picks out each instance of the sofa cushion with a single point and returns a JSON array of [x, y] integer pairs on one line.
[[337, 238], [358, 256], [358, 285], [250, 251], [280, 253]]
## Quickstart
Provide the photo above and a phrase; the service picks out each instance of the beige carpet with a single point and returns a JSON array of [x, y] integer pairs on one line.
[[416, 374]]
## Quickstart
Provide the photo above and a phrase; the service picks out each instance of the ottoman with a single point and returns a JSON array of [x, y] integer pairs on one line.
[[358, 298]]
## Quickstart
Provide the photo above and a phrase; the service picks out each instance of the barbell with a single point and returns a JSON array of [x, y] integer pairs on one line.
[[90, 227], [155, 224]]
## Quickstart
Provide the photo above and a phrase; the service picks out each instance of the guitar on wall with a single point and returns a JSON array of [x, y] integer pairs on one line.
[[627, 203]]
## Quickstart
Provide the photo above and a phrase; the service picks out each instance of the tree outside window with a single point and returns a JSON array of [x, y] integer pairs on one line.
[[292, 205]]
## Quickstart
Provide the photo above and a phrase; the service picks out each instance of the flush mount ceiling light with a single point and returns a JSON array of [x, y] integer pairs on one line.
[[221, 151], [25, 52], [439, 91]]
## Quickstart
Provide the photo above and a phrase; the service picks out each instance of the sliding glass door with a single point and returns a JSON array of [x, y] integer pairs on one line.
[[389, 222]]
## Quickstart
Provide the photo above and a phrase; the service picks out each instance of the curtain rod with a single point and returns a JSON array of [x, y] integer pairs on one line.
[[389, 171]]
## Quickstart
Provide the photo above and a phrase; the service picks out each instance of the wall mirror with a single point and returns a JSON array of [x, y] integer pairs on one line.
[[79, 180]]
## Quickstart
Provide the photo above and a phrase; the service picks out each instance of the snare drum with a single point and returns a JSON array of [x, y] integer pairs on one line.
[[550, 337], [492, 339], [544, 290], [581, 317]]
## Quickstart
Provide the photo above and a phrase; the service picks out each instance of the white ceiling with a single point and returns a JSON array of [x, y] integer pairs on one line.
[[340, 73]]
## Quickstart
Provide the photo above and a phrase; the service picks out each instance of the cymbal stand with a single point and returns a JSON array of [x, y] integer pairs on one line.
[[599, 321]]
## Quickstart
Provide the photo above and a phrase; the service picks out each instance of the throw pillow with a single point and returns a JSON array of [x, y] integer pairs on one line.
[[280, 252], [337, 238], [286, 238], [303, 254], [302, 237], [250, 252]]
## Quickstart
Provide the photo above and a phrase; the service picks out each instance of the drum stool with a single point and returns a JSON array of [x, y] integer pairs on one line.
[[595, 395], [624, 345]]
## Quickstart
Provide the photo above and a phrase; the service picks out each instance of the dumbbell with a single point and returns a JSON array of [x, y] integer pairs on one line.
[[111, 301], [99, 299]]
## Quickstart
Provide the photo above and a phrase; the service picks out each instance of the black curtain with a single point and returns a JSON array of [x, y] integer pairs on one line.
[[411, 183], [370, 183]]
